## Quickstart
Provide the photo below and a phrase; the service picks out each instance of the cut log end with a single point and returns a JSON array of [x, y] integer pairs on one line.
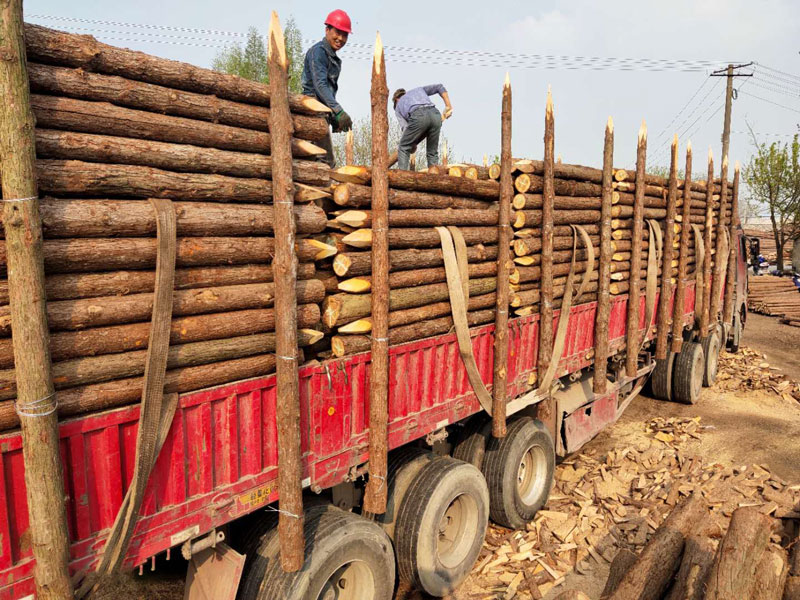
[[356, 285], [324, 250], [351, 174], [341, 264]]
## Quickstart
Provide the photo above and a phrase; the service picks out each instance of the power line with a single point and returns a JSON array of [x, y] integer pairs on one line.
[[139, 25], [795, 78], [771, 102]]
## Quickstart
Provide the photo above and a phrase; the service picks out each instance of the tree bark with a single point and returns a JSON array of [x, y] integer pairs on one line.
[[770, 576], [115, 310], [720, 263], [420, 237], [85, 85], [707, 232], [623, 561], [663, 314], [683, 260], [534, 201], [417, 277], [535, 218], [632, 335], [730, 280], [110, 254], [733, 573], [546, 222], [600, 377], [70, 145], [343, 345], [360, 196], [416, 181], [561, 170], [690, 581], [62, 218], [359, 263], [533, 245], [340, 309], [55, 112], [73, 50], [563, 187], [657, 563], [66, 345], [421, 217]]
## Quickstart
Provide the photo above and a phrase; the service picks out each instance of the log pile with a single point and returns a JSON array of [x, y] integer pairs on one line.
[[114, 128], [632, 509], [769, 248], [776, 296]]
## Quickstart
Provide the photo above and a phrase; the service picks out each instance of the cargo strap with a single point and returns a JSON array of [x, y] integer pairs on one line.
[[456, 270], [699, 258], [654, 251], [157, 410]]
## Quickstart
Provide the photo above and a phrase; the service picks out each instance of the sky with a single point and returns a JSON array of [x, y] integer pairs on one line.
[[670, 101]]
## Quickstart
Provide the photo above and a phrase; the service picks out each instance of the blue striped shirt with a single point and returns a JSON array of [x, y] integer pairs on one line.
[[415, 98]]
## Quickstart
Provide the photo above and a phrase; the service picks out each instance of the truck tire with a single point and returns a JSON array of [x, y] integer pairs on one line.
[[519, 470], [404, 465], [471, 446], [347, 558], [441, 525], [687, 373], [661, 379], [712, 344]]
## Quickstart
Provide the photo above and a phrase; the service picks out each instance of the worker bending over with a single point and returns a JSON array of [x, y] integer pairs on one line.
[[420, 120], [321, 69]]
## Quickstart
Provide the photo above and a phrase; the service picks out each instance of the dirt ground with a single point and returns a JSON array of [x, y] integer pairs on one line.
[[740, 427]]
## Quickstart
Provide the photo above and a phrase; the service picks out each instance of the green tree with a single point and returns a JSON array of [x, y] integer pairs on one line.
[[250, 61], [773, 178]]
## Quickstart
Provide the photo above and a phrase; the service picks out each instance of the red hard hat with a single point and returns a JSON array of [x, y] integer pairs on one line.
[[340, 20]]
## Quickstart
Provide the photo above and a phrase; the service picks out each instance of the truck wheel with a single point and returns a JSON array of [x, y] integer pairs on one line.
[[404, 465], [711, 347], [441, 525], [471, 446], [347, 558], [688, 371], [661, 379], [519, 470]]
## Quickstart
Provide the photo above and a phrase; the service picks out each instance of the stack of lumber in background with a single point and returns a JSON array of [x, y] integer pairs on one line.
[[116, 127], [768, 248], [419, 300], [776, 296]]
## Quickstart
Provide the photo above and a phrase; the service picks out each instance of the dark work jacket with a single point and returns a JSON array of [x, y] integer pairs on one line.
[[321, 69]]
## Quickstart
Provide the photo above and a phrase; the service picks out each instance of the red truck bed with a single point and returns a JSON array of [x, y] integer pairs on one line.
[[219, 461]]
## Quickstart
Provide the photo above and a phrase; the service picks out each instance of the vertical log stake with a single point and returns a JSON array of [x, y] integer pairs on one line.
[[499, 389], [683, 261], [730, 280], [664, 315], [36, 404], [633, 335], [704, 317], [290, 468], [376, 493], [604, 269], [720, 262]]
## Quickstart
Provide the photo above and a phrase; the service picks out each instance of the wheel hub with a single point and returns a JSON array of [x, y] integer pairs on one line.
[[454, 541], [352, 581], [532, 474]]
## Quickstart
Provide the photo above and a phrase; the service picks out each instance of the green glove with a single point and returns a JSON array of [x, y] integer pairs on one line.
[[343, 121]]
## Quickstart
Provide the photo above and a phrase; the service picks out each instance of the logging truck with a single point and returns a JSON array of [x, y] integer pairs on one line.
[[213, 491]]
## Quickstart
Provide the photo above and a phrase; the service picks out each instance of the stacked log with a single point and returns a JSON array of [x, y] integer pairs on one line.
[[776, 296], [114, 128]]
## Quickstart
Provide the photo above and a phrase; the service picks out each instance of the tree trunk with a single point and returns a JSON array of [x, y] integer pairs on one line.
[[115, 310], [653, 570], [69, 145], [423, 182], [533, 245], [770, 576], [85, 85], [110, 254], [547, 409], [55, 112], [360, 196], [600, 378], [720, 263], [534, 201], [359, 263], [343, 345], [340, 309], [422, 237], [707, 232], [690, 582], [734, 570], [623, 561], [417, 277], [733, 251], [69, 49], [561, 170], [66, 345]]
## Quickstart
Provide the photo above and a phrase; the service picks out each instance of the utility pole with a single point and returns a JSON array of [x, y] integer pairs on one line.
[[730, 95]]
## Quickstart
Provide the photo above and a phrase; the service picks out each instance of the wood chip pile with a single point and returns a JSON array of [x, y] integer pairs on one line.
[[115, 128], [776, 296], [749, 370], [603, 505]]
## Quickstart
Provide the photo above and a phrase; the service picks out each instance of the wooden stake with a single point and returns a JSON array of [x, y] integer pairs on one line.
[[704, 317], [633, 335], [683, 261], [348, 148], [36, 404], [603, 297], [376, 493], [548, 198], [290, 466], [730, 280], [720, 262], [500, 382], [664, 315]]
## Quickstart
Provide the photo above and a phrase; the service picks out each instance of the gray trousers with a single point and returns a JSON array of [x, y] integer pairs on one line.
[[423, 124]]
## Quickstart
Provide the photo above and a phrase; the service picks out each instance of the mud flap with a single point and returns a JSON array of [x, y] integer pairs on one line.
[[214, 574]]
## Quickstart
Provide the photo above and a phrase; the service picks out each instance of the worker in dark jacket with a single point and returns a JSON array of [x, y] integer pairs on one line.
[[321, 69], [420, 120]]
